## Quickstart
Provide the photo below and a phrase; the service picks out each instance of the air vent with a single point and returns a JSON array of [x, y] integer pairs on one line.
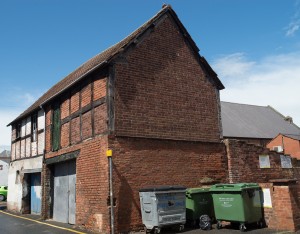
[[278, 148]]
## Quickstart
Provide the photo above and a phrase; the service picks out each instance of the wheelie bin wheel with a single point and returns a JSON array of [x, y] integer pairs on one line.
[[181, 228], [242, 227], [219, 225]]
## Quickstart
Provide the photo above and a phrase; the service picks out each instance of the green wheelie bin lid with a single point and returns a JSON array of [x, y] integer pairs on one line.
[[191, 191], [233, 187]]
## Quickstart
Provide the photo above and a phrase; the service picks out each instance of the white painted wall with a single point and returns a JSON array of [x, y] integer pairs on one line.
[[25, 148], [15, 181], [4, 171], [22, 152]]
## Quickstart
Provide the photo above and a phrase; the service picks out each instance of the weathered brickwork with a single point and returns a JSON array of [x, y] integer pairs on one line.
[[146, 162], [75, 130], [285, 211], [167, 129], [99, 88], [290, 146], [100, 118], [91, 184], [79, 116], [65, 107], [65, 135], [86, 95], [75, 100], [86, 127], [243, 163], [162, 92], [243, 166], [77, 125]]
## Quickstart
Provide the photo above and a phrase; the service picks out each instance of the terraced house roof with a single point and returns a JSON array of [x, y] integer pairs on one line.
[[111, 53], [250, 121]]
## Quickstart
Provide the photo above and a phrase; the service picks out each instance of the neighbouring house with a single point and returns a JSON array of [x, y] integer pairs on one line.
[[4, 165], [254, 124], [151, 99], [27, 150], [286, 144]]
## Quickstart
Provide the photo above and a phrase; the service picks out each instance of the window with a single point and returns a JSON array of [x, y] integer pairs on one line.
[[18, 130], [56, 127], [33, 127]]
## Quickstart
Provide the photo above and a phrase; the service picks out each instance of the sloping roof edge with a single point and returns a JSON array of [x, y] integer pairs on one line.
[[112, 53]]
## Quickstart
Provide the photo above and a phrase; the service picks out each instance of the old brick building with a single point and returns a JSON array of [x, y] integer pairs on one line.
[[154, 101], [151, 99]]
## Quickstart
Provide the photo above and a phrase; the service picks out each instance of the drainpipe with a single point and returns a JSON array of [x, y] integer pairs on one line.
[[111, 196], [282, 144]]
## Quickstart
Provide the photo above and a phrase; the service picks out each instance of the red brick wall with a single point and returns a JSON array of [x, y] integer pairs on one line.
[[83, 123], [86, 94], [291, 146], [75, 100], [285, 211], [91, 184], [243, 163], [162, 92], [148, 162], [79, 115], [65, 131], [65, 107]]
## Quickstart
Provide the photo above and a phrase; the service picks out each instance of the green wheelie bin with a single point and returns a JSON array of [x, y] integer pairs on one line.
[[238, 203], [198, 202]]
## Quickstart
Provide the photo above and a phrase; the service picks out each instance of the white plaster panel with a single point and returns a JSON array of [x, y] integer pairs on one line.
[[28, 125], [13, 151], [28, 142], [34, 148], [23, 127], [18, 152], [41, 120], [22, 148], [15, 180], [41, 144]]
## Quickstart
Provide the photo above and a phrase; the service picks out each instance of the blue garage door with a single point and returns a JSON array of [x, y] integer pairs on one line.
[[35, 193]]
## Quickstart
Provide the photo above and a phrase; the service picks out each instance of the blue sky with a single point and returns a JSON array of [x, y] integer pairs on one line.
[[253, 45]]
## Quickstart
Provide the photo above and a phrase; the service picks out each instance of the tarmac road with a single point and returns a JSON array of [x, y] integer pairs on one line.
[[11, 223]]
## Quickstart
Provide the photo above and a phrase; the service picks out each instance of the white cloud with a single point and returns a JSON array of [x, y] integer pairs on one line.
[[292, 28], [294, 25], [10, 108], [274, 80], [235, 65]]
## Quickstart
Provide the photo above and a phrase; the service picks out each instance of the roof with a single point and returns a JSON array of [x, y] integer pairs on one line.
[[111, 53], [5, 154], [250, 121], [293, 136]]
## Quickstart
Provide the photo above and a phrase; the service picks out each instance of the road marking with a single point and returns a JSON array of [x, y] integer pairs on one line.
[[51, 225]]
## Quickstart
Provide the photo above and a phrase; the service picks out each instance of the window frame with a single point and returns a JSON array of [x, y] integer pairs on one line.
[[34, 127], [18, 130], [56, 125]]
